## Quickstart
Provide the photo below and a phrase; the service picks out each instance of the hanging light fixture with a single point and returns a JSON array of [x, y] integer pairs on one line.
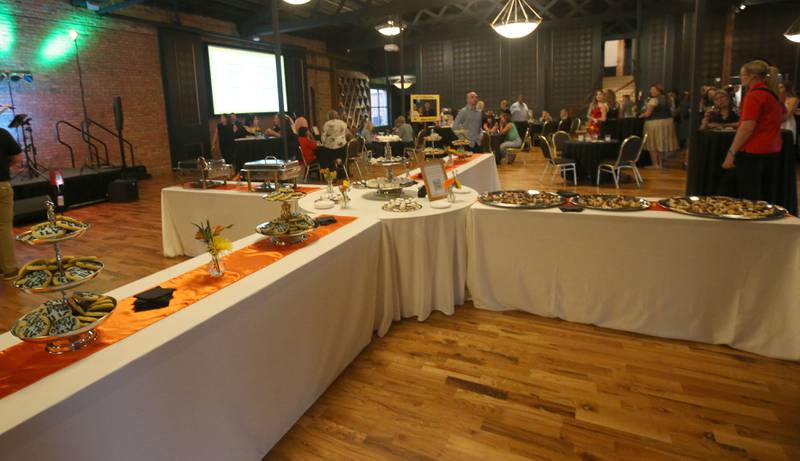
[[793, 32], [405, 83], [516, 20], [297, 2], [390, 28]]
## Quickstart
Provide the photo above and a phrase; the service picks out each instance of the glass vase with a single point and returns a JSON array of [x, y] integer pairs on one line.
[[329, 189], [216, 267]]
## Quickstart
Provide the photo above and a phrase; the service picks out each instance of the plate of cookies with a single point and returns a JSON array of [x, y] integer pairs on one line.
[[65, 324], [62, 228], [44, 276]]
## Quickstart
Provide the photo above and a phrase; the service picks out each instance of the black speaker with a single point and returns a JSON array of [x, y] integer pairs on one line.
[[123, 191], [118, 112]]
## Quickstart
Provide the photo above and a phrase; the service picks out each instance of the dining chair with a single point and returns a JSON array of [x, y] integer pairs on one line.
[[559, 139], [576, 125], [354, 150], [560, 165], [629, 153], [308, 168], [527, 141]]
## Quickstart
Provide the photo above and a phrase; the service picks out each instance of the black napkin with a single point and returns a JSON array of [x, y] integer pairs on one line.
[[154, 298]]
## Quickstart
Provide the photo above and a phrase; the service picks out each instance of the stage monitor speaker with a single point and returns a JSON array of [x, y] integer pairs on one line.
[[123, 191], [118, 112]]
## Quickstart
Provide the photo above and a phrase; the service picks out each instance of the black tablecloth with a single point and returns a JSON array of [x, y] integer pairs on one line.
[[705, 167], [588, 155], [247, 150], [621, 128]]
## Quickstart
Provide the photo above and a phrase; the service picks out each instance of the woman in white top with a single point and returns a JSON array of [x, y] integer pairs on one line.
[[790, 99], [334, 132]]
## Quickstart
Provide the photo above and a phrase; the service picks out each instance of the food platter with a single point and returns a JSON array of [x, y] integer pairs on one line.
[[76, 319], [43, 276], [64, 228], [283, 194], [719, 207], [388, 161], [402, 205], [434, 152], [611, 202], [521, 199], [291, 227]]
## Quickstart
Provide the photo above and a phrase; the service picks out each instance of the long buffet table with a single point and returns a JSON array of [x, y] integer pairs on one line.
[[224, 378], [652, 272]]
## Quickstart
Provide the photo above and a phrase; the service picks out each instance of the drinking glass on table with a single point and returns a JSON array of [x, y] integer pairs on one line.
[[608, 138], [580, 137]]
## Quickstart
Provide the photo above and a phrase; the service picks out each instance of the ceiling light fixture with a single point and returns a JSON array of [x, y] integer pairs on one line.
[[405, 83], [516, 20], [391, 48], [390, 28], [793, 32], [297, 2]]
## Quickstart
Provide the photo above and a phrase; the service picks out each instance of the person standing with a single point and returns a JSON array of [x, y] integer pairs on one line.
[[789, 99], [504, 107], [469, 118], [520, 114], [597, 113], [659, 126], [10, 163], [224, 137], [754, 153], [628, 107]]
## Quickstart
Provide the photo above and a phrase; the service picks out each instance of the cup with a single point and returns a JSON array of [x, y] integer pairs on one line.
[[608, 138], [580, 137]]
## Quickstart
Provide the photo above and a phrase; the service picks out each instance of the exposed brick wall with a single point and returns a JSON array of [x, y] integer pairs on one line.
[[118, 58]]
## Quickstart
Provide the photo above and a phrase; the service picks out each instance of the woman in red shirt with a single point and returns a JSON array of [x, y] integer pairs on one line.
[[755, 149], [307, 145]]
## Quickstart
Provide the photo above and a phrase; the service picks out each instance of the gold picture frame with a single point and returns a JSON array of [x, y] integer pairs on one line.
[[435, 178], [424, 108]]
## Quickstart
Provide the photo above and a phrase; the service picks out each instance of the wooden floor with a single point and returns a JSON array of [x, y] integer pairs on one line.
[[501, 386]]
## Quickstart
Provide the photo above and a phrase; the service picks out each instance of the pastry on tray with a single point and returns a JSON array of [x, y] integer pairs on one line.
[[57, 317]]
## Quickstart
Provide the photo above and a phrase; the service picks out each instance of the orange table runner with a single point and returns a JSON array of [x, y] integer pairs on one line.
[[456, 163], [25, 363], [243, 188]]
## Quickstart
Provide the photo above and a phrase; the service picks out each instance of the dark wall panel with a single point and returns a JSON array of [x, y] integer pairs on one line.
[[476, 67], [522, 73], [759, 34], [572, 68], [434, 77]]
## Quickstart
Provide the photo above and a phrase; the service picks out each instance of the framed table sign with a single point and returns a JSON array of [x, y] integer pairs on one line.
[[435, 178]]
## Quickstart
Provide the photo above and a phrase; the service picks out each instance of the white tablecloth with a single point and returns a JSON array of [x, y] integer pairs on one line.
[[423, 261], [180, 207], [653, 272], [479, 174], [223, 379]]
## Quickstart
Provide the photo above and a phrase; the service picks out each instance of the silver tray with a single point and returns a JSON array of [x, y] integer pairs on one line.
[[778, 212], [285, 239], [66, 286], [26, 238], [70, 341], [643, 204], [485, 198]]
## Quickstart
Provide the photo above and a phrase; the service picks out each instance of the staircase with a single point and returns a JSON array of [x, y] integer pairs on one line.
[[621, 86]]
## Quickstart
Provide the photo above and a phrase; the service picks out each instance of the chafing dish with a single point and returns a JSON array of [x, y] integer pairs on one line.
[[271, 171], [205, 173]]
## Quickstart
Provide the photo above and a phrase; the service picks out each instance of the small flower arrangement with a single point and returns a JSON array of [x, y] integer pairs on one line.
[[216, 245], [344, 188], [329, 176]]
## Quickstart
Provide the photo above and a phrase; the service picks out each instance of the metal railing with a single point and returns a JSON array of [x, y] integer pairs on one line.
[[86, 137], [122, 141]]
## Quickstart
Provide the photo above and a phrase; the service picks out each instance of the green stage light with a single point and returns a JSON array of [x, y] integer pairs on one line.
[[6, 32], [58, 46]]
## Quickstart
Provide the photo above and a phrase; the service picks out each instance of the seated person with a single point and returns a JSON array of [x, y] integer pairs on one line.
[[490, 124], [721, 115], [545, 117], [251, 125], [307, 145], [511, 139], [404, 130], [564, 121], [239, 130], [275, 130]]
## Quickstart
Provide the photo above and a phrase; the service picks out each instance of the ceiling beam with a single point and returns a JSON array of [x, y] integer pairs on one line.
[[393, 8], [118, 6]]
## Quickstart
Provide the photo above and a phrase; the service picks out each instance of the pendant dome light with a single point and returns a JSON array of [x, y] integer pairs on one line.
[[516, 20], [793, 32]]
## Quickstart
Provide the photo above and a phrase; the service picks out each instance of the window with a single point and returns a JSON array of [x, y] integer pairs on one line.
[[380, 107]]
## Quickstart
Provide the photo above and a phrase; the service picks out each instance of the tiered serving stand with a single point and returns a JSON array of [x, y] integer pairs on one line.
[[75, 339]]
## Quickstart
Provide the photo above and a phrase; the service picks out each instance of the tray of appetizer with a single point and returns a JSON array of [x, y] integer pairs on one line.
[[291, 227], [44, 276], [63, 228], [388, 161], [611, 202], [718, 207], [283, 195], [65, 324], [402, 205], [521, 199]]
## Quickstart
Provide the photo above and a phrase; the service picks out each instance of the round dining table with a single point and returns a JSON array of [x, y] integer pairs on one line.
[[589, 154]]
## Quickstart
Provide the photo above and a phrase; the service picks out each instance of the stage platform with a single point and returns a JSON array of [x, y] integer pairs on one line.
[[81, 187]]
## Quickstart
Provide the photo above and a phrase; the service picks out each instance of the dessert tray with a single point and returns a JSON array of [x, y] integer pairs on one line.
[[383, 138], [611, 202], [44, 276], [61, 229], [521, 199], [719, 207], [434, 152], [65, 324], [283, 195], [402, 205], [388, 161], [291, 227]]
